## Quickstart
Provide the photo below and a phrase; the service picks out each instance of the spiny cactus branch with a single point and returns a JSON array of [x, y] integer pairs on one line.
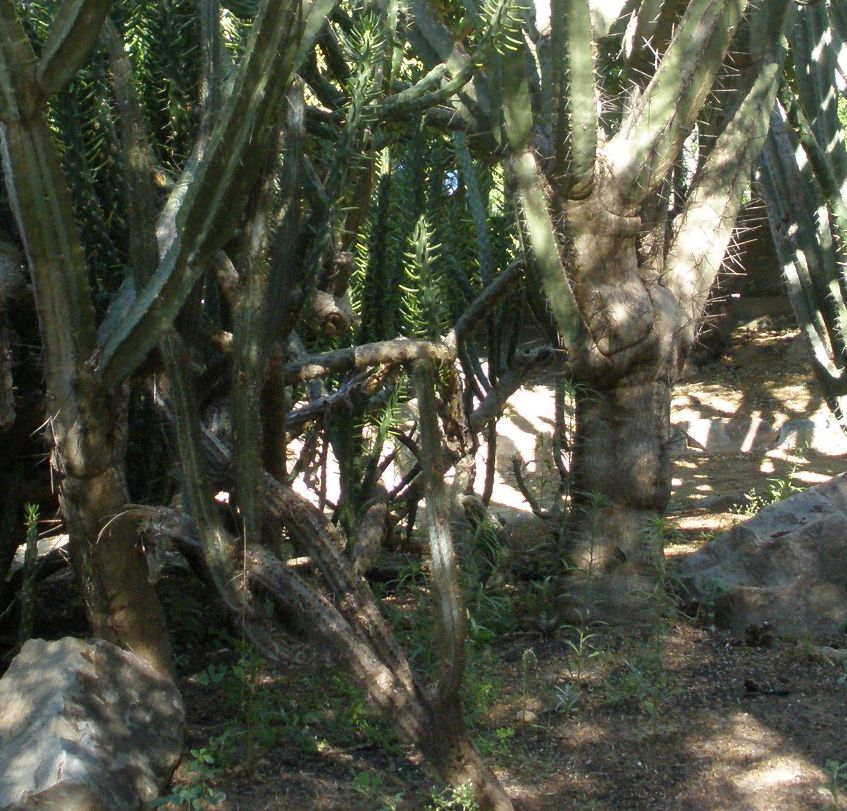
[[449, 614], [656, 126], [574, 102], [434, 42], [708, 218], [213, 189], [806, 251], [73, 31], [542, 235]]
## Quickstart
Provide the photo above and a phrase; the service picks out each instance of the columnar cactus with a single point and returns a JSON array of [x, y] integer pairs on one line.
[[593, 152], [803, 179]]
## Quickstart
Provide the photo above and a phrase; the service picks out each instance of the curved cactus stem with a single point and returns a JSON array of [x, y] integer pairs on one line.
[[705, 226], [806, 251], [249, 354], [219, 549], [539, 227], [647, 34], [449, 613], [41, 202], [213, 188], [435, 88], [435, 44], [838, 20], [212, 72], [317, 15], [803, 179], [820, 161], [662, 117], [477, 207], [74, 30], [20, 96], [141, 194], [818, 49]]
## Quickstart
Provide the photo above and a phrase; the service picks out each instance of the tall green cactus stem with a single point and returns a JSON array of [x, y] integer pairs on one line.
[[450, 620], [838, 19], [574, 99], [810, 257], [539, 226], [249, 355], [803, 179], [144, 254], [88, 423], [657, 124], [818, 49], [213, 188], [72, 33], [716, 195]]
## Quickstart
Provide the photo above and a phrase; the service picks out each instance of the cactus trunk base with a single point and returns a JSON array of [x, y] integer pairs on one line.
[[621, 485], [120, 601]]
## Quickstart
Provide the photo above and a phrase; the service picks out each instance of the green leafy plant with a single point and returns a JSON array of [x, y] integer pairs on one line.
[[458, 798], [199, 792], [778, 489], [583, 650], [490, 614], [567, 697], [27, 596], [836, 783]]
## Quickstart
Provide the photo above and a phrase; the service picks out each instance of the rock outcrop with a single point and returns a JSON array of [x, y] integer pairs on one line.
[[786, 566], [85, 726]]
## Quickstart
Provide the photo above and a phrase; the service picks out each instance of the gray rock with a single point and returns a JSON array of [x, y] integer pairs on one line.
[[727, 434], [85, 726], [786, 566], [798, 352], [820, 433]]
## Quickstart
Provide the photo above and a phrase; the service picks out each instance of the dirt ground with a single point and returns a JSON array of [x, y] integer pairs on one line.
[[673, 715]]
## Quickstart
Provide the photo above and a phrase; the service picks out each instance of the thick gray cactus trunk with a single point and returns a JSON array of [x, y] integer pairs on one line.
[[627, 282]]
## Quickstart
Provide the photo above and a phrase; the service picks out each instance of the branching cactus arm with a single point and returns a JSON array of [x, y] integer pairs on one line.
[[706, 223], [542, 234], [225, 172], [660, 120], [74, 30]]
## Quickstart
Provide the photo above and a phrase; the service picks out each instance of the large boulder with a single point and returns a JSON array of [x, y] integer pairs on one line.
[[820, 432], [786, 566], [85, 726]]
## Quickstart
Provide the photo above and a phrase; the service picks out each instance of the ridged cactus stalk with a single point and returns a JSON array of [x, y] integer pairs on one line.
[[87, 367], [627, 283], [802, 176]]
